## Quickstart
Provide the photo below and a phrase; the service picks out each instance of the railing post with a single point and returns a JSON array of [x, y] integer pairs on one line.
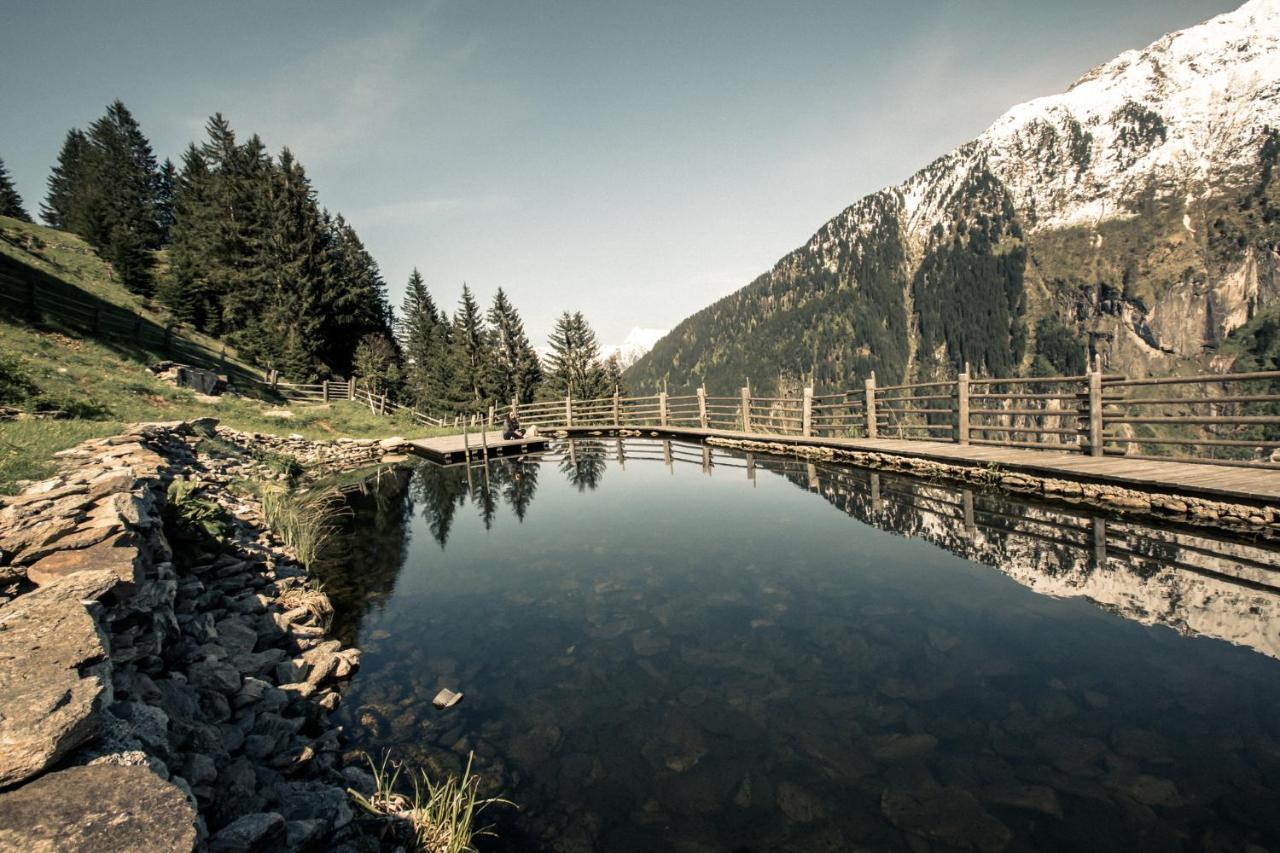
[[568, 410], [962, 407], [492, 407], [662, 408], [807, 416], [617, 408], [872, 431], [702, 406], [1095, 411], [351, 389], [324, 390], [746, 408]]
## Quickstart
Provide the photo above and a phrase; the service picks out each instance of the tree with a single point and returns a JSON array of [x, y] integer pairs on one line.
[[67, 176], [573, 368], [612, 369], [472, 354], [10, 201], [424, 341], [166, 184], [517, 372], [377, 363]]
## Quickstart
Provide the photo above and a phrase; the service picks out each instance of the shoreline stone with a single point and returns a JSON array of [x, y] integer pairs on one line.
[[174, 702]]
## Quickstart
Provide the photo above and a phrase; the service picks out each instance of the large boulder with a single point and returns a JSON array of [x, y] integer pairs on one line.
[[54, 673], [100, 808]]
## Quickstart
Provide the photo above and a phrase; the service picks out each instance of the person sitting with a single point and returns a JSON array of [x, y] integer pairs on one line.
[[511, 429]]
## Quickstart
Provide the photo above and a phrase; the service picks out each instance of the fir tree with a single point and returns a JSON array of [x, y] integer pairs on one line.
[[166, 185], [67, 176], [189, 290], [573, 368], [425, 344], [612, 374], [10, 201], [472, 355], [516, 372]]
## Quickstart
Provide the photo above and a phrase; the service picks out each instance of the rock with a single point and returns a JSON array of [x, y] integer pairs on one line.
[[949, 815], [215, 675], [1035, 798], [118, 555], [53, 674], [896, 748], [97, 808], [1154, 791], [797, 804], [259, 831], [446, 698]]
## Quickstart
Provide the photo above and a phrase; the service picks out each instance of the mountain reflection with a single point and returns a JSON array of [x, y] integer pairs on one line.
[[1195, 581]]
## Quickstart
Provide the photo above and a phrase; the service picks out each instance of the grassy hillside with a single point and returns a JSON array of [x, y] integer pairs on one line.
[[103, 384]]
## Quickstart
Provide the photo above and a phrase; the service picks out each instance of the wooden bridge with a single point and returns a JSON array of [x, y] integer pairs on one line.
[[1210, 435]]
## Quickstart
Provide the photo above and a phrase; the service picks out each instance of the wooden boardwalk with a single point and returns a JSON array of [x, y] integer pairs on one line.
[[451, 449], [1254, 486]]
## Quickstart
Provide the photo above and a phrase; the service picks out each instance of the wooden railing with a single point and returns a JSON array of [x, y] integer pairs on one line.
[[1230, 419]]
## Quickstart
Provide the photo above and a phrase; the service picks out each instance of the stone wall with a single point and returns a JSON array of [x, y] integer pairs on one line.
[[1183, 508], [198, 685]]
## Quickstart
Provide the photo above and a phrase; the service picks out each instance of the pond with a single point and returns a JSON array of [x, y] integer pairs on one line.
[[664, 646]]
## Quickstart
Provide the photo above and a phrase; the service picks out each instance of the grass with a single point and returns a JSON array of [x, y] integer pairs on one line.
[[304, 519], [442, 815]]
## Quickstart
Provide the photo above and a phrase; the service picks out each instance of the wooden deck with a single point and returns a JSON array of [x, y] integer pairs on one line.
[[451, 449], [1256, 486]]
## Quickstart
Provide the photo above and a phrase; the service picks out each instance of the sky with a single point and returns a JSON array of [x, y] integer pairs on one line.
[[634, 161]]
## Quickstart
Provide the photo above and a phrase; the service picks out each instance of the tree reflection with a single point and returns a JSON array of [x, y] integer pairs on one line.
[[583, 463]]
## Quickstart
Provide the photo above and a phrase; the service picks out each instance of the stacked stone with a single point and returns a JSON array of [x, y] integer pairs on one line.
[[181, 702], [340, 453], [1193, 510]]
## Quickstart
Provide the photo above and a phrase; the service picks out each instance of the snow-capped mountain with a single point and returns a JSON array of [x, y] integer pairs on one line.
[[637, 344], [1134, 216]]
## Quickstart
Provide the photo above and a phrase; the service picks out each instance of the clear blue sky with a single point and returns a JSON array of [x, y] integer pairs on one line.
[[635, 161]]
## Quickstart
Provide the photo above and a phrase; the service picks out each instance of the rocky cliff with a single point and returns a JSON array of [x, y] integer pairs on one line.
[[1134, 216]]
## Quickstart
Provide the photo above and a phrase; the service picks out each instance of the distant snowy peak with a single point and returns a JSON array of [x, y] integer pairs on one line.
[[1179, 115], [637, 344]]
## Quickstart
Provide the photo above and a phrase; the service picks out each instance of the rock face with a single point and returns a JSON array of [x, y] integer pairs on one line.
[[1134, 214], [97, 809], [188, 693], [52, 677]]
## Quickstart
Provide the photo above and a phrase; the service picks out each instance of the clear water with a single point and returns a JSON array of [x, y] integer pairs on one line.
[[700, 651]]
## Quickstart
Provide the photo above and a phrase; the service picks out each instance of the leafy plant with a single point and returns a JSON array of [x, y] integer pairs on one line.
[[442, 815], [193, 516]]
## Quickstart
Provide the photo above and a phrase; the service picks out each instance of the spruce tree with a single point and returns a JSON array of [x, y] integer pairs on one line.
[[118, 215], [166, 185], [189, 291], [516, 371], [472, 354], [573, 368], [67, 176], [423, 341], [10, 200], [611, 371]]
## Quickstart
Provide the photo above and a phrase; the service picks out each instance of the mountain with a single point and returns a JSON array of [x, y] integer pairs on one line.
[[1134, 216], [638, 343]]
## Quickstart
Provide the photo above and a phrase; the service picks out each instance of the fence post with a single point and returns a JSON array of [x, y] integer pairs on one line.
[[702, 406], [33, 310], [324, 390], [492, 408], [662, 408], [617, 408], [746, 408], [872, 431], [222, 359], [1095, 410], [806, 418], [168, 338], [97, 319], [568, 410], [962, 406], [351, 388]]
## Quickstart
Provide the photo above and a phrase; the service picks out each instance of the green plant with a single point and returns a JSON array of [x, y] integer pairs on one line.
[[191, 515], [441, 814], [278, 462], [304, 520]]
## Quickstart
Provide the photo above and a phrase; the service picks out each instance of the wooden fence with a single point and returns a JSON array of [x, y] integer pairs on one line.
[[1231, 419]]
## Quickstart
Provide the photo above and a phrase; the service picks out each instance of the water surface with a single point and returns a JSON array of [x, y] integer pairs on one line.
[[664, 647]]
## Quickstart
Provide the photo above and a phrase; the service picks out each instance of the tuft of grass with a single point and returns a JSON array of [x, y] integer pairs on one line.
[[304, 519], [442, 814]]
